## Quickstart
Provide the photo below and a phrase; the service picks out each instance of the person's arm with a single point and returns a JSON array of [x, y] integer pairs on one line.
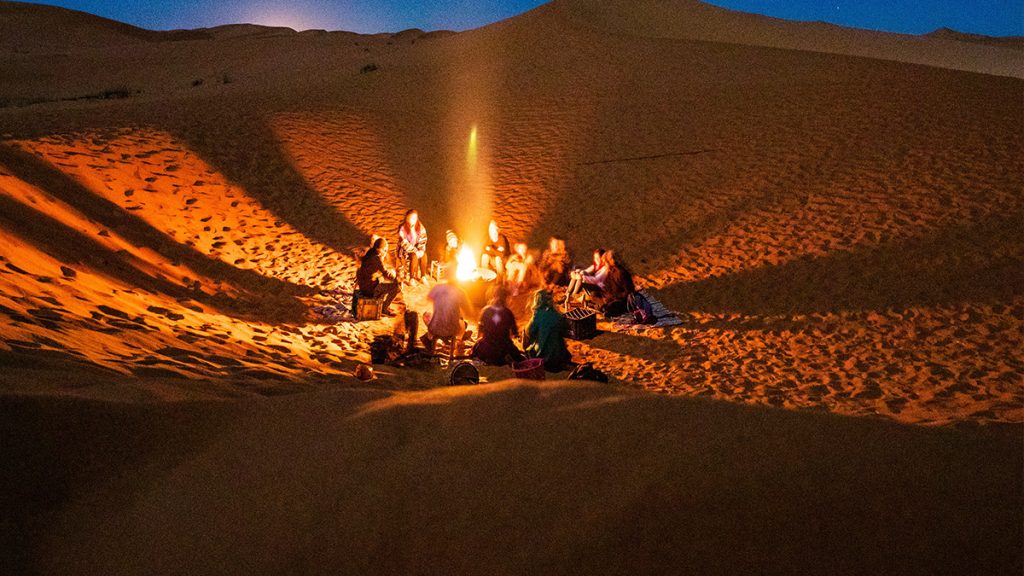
[[421, 242], [600, 276], [531, 334]]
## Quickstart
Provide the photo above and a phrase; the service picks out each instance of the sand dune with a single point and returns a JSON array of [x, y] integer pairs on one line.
[[504, 479], [695, 20], [829, 244], [837, 225]]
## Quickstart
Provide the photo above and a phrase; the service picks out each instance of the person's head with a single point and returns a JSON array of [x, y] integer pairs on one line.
[[500, 297], [553, 243], [451, 239], [609, 258], [381, 245], [493, 231], [599, 257], [412, 218], [521, 249], [543, 299]]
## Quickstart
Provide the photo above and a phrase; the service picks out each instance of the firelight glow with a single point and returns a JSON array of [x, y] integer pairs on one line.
[[465, 269]]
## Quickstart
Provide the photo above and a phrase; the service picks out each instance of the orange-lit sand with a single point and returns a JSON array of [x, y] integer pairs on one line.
[[835, 214]]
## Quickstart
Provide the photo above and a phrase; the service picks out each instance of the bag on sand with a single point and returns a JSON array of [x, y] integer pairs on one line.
[[586, 371], [640, 306]]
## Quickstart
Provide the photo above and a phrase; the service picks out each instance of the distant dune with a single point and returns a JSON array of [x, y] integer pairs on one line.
[[35, 28], [695, 20]]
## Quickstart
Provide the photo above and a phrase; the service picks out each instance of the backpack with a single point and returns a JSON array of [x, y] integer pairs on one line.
[[586, 371], [640, 306]]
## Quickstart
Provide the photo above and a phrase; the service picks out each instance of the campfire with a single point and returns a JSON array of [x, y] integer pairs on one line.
[[476, 281]]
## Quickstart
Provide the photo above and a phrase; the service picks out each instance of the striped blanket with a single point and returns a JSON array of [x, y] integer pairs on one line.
[[666, 318]]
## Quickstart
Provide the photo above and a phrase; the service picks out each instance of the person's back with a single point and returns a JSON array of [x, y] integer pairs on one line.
[[619, 283], [497, 326], [545, 336], [449, 302]]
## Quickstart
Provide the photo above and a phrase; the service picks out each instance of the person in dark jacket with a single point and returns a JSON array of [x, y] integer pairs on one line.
[[497, 328], [545, 336], [618, 286], [374, 280]]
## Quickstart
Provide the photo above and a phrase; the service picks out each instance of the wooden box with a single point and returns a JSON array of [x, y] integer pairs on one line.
[[582, 323], [368, 308]]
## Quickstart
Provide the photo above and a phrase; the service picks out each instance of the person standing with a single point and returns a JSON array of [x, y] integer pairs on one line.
[[412, 245]]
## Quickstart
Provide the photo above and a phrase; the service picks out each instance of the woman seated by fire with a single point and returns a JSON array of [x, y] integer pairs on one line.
[[496, 253], [618, 287], [497, 328], [590, 280], [412, 246]]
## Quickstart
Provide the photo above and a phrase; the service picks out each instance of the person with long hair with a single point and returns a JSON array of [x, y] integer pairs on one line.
[[497, 328], [412, 245], [618, 286], [545, 336], [590, 280]]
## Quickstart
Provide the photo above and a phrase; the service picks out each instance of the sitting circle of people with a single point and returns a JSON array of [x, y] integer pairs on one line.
[[604, 285]]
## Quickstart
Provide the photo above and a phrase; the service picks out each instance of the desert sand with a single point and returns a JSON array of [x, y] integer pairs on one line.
[[835, 215]]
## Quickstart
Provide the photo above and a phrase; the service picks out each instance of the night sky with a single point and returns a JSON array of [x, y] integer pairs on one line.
[[993, 17]]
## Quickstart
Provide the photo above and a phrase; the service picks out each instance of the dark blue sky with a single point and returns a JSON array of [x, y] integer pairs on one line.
[[994, 17]]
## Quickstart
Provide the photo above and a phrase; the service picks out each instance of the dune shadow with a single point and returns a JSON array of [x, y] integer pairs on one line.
[[576, 479], [245, 149], [977, 262], [69, 245]]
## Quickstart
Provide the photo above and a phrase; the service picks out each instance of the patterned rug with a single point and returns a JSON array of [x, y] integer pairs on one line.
[[666, 318]]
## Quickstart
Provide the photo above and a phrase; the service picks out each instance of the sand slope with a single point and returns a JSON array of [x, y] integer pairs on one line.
[[695, 20], [837, 232], [503, 479]]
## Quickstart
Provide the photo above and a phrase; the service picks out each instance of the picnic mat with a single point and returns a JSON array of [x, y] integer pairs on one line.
[[666, 317]]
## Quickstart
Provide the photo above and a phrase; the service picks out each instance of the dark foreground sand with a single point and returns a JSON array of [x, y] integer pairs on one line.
[[511, 478]]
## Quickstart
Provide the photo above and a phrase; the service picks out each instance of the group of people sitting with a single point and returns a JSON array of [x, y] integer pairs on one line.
[[606, 284]]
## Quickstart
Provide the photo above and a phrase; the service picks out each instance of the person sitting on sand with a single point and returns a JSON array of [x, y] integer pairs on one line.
[[374, 280], [555, 264], [518, 268], [545, 336], [618, 287], [497, 328], [497, 252], [412, 246], [590, 280], [446, 321], [452, 245]]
